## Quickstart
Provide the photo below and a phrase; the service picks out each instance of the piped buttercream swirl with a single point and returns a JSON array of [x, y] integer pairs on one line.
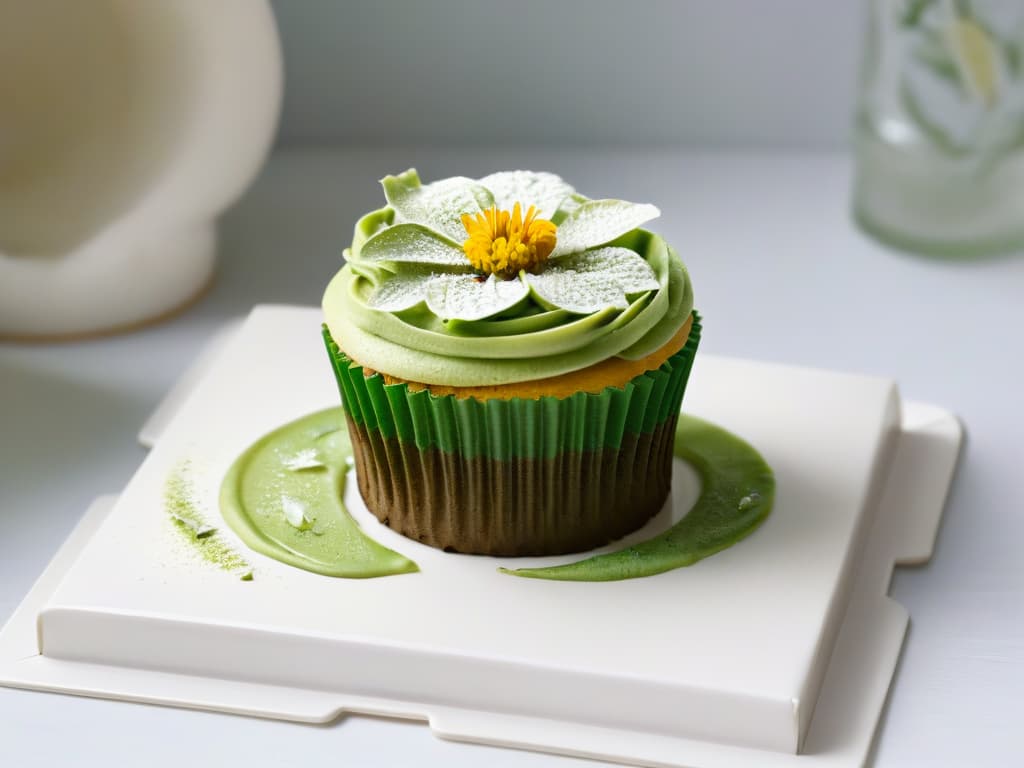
[[552, 328]]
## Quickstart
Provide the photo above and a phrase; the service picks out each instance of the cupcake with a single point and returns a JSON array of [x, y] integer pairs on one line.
[[511, 357]]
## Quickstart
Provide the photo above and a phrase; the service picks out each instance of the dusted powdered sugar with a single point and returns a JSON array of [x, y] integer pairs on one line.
[[439, 205], [597, 222], [467, 297], [412, 243], [590, 281], [545, 191]]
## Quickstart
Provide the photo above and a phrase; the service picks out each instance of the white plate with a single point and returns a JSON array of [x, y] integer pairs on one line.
[[724, 663]]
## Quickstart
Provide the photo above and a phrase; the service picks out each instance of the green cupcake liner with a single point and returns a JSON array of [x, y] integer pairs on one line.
[[515, 428]]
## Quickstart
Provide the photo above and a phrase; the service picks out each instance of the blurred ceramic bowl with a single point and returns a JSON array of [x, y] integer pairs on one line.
[[127, 128]]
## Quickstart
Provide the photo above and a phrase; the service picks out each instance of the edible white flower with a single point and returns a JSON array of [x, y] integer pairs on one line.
[[529, 231]]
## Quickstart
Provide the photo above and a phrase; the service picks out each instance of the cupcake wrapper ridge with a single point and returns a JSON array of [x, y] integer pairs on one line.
[[517, 476], [514, 428]]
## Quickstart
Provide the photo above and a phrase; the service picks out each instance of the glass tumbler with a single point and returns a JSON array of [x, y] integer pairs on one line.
[[939, 133]]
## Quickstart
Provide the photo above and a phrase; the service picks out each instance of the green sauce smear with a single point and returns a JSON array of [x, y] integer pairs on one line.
[[737, 494], [283, 498]]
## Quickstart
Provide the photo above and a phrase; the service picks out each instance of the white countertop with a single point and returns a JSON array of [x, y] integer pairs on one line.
[[780, 274]]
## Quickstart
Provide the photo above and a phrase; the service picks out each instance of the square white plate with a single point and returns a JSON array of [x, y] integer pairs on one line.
[[723, 663]]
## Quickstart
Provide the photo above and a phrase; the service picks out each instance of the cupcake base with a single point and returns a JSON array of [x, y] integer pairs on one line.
[[518, 476], [504, 507]]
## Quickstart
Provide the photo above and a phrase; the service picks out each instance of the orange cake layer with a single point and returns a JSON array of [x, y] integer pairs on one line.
[[613, 372]]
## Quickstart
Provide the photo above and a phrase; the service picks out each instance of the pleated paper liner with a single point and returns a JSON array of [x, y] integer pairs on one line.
[[514, 477]]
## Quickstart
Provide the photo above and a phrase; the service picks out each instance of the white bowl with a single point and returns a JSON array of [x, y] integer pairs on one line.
[[128, 127]]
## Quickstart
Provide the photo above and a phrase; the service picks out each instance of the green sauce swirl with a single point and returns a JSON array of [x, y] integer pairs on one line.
[[737, 495]]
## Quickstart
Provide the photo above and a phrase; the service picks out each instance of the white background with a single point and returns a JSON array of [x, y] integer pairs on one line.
[[780, 274], [778, 73]]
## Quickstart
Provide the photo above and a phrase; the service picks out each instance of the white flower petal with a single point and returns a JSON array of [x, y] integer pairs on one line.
[[580, 293], [305, 459], [400, 292], [622, 266], [199, 529], [412, 243], [296, 513], [546, 191], [466, 297], [438, 206], [597, 222], [593, 280], [568, 207]]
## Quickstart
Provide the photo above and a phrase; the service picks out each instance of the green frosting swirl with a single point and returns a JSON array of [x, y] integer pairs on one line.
[[527, 342]]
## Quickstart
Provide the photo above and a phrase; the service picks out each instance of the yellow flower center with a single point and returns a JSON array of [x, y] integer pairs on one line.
[[502, 243]]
